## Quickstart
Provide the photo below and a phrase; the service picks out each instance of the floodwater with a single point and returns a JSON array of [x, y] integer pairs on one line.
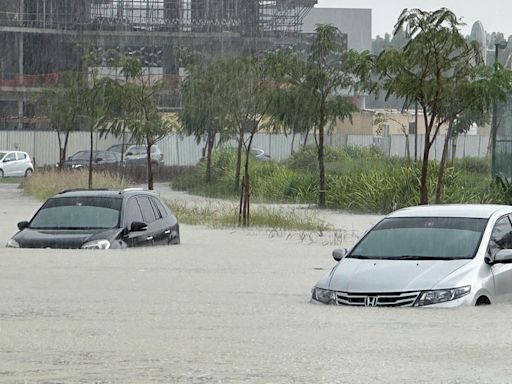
[[225, 306]]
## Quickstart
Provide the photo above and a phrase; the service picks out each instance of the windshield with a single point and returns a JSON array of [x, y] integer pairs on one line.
[[2, 155], [420, 238], [78, 213]]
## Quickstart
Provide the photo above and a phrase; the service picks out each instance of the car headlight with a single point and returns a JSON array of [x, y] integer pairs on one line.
[[323, 295], [12, 244], [442, 295], [97, 244]]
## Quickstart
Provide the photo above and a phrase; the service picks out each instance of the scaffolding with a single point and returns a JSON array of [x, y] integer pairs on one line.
[[238, 16]]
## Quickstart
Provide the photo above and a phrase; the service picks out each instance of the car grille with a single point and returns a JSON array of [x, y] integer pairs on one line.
[[388, 299]]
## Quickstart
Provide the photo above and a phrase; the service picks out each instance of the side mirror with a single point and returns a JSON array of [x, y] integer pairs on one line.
[[128, 154], [22, 225], [503, 257], [98, 159], [138, 226], [339, 254]]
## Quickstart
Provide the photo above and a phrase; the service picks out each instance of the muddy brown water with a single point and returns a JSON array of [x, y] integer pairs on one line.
[[225, 306]]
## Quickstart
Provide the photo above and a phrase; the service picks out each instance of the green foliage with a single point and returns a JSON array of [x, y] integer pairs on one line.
[[361, 179], [474, 165]]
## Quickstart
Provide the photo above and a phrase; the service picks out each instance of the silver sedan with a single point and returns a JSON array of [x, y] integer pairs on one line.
[[435, 256]]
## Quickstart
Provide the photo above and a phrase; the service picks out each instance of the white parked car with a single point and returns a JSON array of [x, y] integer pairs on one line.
[[436, 256], [15, 163]]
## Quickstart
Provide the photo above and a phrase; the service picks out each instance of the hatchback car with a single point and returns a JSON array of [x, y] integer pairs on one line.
[[101, 159], [99, 219], [15, 163], [437, 256]]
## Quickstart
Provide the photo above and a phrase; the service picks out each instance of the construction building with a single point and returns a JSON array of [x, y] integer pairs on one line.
[[40, 38]]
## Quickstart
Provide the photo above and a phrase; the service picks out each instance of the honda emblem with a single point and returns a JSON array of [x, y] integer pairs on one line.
[[370, 301]]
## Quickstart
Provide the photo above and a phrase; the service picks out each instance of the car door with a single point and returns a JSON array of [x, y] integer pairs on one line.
[[501, 238], [153, 219], [9, 164], [133, 213], [21, 163], [167, 225]]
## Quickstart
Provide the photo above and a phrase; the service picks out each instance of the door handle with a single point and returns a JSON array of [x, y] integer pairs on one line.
[[149, 238]]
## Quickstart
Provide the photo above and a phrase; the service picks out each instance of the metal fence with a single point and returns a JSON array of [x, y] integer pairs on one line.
[[184, 150]]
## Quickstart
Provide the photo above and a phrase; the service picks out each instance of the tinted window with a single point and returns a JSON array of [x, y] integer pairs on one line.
[[159, 206], [133, 212], [422, 237], [21, 155], [78, 213], [147, 209], [82, 155]]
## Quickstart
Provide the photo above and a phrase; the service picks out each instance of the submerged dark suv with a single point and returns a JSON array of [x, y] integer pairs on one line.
[[99, 219]]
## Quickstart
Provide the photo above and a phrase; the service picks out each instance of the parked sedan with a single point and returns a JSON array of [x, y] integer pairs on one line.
[[101, 159], [99, 219], [15, 163], [436, 256]]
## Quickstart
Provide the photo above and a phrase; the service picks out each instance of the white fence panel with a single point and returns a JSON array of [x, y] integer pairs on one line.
[[184, 150]]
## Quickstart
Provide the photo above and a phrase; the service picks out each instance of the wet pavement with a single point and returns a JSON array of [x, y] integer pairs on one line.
[[225, 306]]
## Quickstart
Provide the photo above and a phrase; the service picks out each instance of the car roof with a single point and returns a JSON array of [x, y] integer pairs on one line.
[[476, 211], [113, 193]]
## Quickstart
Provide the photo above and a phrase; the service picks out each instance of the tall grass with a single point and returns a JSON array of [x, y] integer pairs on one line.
[[47, 183], [358, 179], [225, 215]]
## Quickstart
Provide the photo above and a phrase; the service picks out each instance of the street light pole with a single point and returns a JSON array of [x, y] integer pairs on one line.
[[494, 128]]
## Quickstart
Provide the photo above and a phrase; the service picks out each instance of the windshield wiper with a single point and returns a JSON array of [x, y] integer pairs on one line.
[[405, 257], [410, 257]]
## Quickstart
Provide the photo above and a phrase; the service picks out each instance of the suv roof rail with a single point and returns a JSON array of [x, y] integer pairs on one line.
[[131, 189], [81, 189]]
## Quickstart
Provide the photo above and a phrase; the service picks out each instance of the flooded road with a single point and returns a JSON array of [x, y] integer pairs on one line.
[[225, 306]]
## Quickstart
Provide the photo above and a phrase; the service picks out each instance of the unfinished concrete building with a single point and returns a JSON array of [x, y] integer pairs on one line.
[[40, 38]]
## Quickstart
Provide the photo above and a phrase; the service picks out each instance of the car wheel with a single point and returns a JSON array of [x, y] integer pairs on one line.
[[28, 172], [482, 300], [175, 240], [1, 174]]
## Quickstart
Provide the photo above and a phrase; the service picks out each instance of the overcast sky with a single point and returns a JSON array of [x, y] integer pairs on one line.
[[386, 12]]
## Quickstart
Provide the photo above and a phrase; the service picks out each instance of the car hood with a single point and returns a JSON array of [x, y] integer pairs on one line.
[[64, 239], [360, 276]]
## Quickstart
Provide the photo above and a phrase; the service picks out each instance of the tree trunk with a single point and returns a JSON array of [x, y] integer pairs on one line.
[[407, 149], [246, 186], [238, 161], [321, 165], [454, 148], [90, 157], [209, 150], [306, 139], [149, 144], [426, 153], [442, 166]]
